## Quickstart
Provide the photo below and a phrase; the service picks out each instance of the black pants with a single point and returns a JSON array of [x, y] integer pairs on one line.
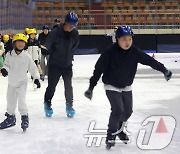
[[121, 108], [54, 75]]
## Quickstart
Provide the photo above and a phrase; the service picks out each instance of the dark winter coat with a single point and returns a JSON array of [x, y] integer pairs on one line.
[[61, 46], [42, 39], [119, 66]]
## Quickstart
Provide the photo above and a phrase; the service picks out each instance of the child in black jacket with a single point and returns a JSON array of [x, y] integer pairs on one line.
[[118, 64]]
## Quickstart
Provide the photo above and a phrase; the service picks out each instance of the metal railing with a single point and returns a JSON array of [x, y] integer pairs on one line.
[[102, 20], [105, 14], [93, 14], [14, 15], [137, 21]]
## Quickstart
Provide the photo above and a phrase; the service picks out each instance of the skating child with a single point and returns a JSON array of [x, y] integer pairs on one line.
[[26, 31], [113, 34], [118, 64], [7, 43], [16, 65], [44, 53], [33, 48]]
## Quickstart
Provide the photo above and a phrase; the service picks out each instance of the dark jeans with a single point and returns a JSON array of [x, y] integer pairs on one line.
[[121, 108], [54, 75]]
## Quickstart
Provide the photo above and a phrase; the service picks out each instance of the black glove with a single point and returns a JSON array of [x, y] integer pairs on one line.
[[4, 72], [36, 81], [89, 93], [167, 75]]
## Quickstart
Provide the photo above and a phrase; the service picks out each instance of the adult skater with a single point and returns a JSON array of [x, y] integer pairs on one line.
[[61, 42], [118, 64], [16, 65], [44, 53]]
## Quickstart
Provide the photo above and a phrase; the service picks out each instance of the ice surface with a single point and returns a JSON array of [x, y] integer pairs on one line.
[[61, 135]]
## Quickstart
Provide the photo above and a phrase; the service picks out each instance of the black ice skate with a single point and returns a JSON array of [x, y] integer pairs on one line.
[[10, 121], [25, 122], [123, 134], [124, 137], [110, 141]]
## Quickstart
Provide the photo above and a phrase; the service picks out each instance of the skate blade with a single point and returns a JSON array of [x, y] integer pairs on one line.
[[70, 115], [124, 141], [8, 127], [49, 115], [108, 147], [24, 130]]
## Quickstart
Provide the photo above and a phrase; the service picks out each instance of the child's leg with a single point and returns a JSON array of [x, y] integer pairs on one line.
[[128, 104], [117, 110], [22, 107], [11, 100]]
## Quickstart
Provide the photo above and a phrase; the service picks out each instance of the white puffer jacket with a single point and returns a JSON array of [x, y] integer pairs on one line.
[[17, 67], [33, 48], [2, 50]]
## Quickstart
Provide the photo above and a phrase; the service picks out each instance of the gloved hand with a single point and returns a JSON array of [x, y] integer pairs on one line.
[[36, 81], [4, 72], [89, 93], [44, 47], [168, 75]]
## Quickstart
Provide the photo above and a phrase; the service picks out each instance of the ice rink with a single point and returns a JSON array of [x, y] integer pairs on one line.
[[61, 135]]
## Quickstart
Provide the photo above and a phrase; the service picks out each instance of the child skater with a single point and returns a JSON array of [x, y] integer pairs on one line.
[[113, 35], [118, 64], [16, 65], [34, 48]]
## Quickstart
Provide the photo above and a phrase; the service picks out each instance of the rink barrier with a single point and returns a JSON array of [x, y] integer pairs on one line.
[[150, 43]]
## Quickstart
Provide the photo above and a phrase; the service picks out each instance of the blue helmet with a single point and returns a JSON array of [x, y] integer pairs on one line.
[[45, 27], [72, 19], [123, 30]]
